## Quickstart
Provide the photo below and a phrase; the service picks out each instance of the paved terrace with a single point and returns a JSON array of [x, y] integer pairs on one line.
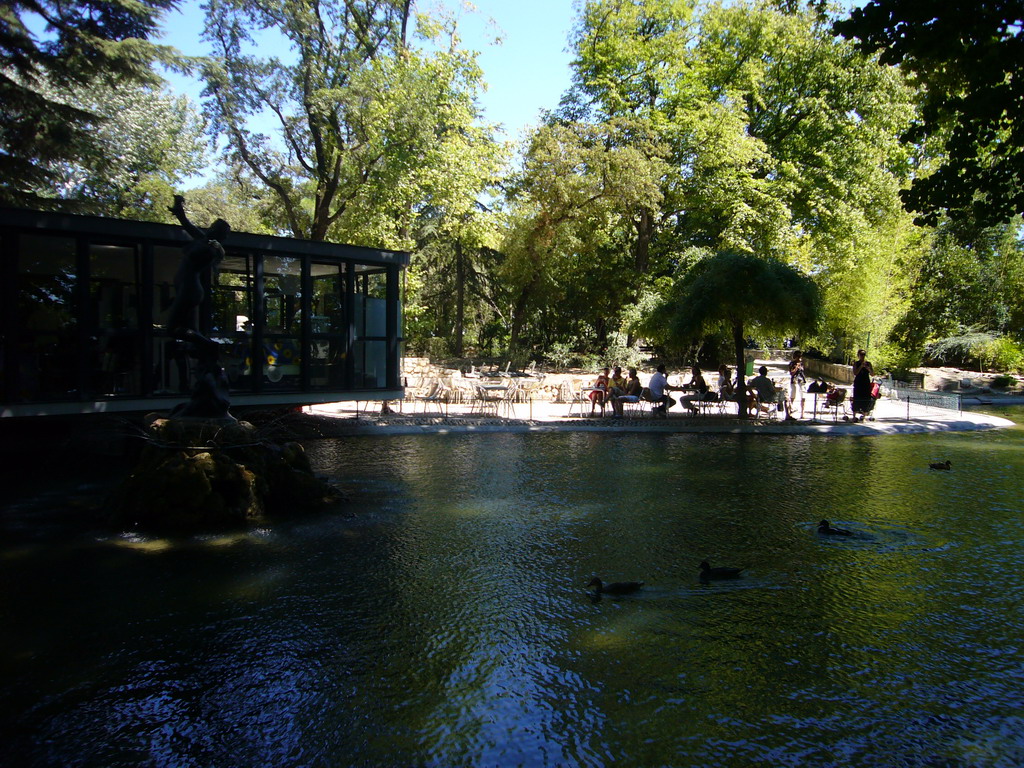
[[409, 417]]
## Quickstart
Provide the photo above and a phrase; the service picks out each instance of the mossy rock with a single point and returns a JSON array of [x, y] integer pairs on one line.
[[226, 479]]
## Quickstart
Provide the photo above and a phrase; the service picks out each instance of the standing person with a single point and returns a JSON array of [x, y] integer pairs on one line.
[[862, 373], [797, 380], [659, 386]]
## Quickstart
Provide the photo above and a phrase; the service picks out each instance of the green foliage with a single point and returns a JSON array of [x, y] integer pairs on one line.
[[1001, 354], [964, 276], [369, 129], [734, 290], [579, 186], [971, 343], [147, 142], [1004, 381], [560, 355], [620, 352], [778, 139], [739, 294], [83, 43], [895, 359], [967, 56], [242, 205]]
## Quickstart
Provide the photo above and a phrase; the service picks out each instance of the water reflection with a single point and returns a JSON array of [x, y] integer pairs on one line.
[[446, 621]]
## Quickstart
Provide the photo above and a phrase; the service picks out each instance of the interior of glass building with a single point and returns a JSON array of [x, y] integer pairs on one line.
[[85, 303]]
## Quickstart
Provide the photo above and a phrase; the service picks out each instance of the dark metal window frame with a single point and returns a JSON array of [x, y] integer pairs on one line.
[[144, 237]]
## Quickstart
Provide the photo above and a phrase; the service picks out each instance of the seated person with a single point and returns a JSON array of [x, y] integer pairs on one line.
[[630, 393], [760, 391], [701, 390], [599, 394], [659, 387], [726, 385], [617, 383]]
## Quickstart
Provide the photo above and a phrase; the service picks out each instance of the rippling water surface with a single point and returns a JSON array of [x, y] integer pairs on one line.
[[441, 620]]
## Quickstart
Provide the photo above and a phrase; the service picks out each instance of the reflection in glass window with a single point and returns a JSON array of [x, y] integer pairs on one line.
[[330, 338], [116, 344], [282, 295], [45, 311]]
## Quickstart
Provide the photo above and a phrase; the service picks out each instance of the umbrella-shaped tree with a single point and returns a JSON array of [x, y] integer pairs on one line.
[[739, 292]]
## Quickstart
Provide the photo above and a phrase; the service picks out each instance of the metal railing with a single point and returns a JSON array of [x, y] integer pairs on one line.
[[914, 395]]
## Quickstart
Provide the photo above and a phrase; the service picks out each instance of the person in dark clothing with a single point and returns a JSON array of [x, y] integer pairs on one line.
[[862, 373]]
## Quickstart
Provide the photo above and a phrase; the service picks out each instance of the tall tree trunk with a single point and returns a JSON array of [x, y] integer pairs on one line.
[[405, 22], [741, 366], [519, 312], [460, 296], [642, 248]]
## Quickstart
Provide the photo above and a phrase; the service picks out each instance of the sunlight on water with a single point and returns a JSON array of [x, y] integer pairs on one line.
[[142, 543], [442, 617]]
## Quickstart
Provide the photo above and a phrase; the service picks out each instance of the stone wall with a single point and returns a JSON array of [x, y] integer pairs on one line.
[[841, 374]]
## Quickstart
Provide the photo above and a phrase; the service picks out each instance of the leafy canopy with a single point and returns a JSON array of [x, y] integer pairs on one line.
[[740, 290], [53, 43], [967, 57], [354, 128], [147, 142]]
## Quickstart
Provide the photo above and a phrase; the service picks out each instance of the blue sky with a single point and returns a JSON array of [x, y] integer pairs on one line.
[[526, 71]]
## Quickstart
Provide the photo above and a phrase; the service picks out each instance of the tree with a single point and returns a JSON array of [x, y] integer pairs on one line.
[[967, 58], [741, 293], [104, 41], [230, 197], [365, 126], [966, 278], [780, 139], [578, 184], [146, 143]]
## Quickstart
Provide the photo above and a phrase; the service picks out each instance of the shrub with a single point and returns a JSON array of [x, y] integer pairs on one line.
[[1002, 354], [893, 358], [620, 353], [434, 348], [560, 355]]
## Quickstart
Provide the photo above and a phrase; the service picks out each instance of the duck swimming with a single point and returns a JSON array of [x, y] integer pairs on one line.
[[615, 587], [826, 529], [941, 464], [707, 572]]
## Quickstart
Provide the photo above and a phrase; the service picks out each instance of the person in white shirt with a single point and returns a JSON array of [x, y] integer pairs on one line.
[[659, 386], [761, 391]]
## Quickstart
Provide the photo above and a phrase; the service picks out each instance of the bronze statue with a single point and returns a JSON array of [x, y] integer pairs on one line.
[[210, 397]]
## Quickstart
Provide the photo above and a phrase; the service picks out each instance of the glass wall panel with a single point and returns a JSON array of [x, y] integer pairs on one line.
[[281, 363], [233, 318], [172, 365], [370, 364], [282, 316], [113, 317], [329, 337], [47, 355]]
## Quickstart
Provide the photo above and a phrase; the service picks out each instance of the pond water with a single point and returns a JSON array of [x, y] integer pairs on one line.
[[443, 621]]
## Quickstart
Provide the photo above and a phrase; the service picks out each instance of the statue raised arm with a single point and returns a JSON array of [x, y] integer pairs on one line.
[[204, 252], [210, 397]]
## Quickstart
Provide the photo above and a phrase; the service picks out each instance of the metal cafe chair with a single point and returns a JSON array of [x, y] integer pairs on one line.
[[577, 397], [766, 409], [436, 394], [488, 400], [836, 400]]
